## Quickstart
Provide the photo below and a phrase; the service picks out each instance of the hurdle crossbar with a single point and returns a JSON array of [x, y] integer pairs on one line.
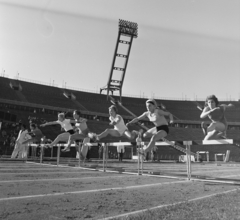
[[165, 142]]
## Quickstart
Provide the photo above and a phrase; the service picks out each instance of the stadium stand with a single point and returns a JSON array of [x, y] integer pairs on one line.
[[6, 91]]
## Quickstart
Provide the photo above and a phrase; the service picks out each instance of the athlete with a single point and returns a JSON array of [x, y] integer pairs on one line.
[[119, 129], [65, 124], [216, 113], [82, 134], [157, 117]]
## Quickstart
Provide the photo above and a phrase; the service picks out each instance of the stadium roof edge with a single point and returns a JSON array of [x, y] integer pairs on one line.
[[95, 92]]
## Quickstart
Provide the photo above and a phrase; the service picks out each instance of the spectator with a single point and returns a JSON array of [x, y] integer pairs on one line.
[[20, 149], [88, 153], [121, 151], [100, 151], [153, 153], [4, 133]]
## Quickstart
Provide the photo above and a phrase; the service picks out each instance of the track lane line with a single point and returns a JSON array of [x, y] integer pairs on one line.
[[167, 205], [62, 179], [91, 191]]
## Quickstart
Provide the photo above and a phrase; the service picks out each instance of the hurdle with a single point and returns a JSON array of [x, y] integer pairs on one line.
[[216, 156], [140, 155], [222, 180], [139, 171], [202, 152], [188, 152]]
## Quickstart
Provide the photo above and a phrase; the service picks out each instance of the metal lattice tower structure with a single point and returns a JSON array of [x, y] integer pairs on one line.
[[126, 32]]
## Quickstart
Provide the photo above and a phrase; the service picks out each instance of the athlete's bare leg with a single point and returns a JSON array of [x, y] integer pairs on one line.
[[131, 134], [62, 137], [155, 137], [107, 132], [72, 138]]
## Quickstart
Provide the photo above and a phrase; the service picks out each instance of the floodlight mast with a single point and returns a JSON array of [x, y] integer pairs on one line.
[[129, 30]]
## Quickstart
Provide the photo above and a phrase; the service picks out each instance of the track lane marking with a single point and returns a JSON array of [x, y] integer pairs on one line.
[[62, 179], [91, 191], [167, 205]]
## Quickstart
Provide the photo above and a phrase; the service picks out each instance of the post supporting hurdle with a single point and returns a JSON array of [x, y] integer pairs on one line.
[[142, 158], [188, 154], [51, 152], [106, 156], [79, 155], [58, 153], [105, 152], [140, 155], [139, 160], [41, 153]]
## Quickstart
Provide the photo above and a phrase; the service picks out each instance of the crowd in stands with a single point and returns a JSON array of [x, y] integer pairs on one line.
[[9, 132]]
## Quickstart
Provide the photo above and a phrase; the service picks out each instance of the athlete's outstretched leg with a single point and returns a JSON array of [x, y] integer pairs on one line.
[[72, 138], [132, 134], [213, 131], [155, 137], [62, 137], [107, 132], [204, 128]]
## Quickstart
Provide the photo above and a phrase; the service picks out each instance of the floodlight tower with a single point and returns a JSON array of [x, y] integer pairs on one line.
[[126, 32]]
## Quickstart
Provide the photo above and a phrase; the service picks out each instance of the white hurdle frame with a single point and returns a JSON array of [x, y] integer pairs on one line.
[[188, 154], [140, 165], [140, 158], [202, 152]]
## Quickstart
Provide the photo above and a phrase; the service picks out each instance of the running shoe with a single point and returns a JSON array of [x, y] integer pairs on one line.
[[93, 136]]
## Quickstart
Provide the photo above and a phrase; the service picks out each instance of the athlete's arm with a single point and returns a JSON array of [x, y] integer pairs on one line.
[[161, 112], [49, 123], [206, 111], [82, 120], [227, 106], [116, 120], [71, 121], [144, 115]]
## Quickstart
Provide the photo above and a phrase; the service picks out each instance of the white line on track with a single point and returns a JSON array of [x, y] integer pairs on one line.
[[33, 168], [230, 176], [91, 191], [61, 179], [167, 205], [65, 166], [214, 171], [79, 172]]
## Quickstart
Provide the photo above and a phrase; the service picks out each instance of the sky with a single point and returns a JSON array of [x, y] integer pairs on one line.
[[185, 49]]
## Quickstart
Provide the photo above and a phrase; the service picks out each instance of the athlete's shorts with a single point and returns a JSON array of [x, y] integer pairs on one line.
[[163, 128], [70, 131], [121, 132], [218, 126], [84, 132]]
